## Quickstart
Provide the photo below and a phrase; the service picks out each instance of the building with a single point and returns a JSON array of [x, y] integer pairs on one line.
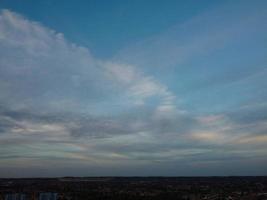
[[48, 196], [15, 196]]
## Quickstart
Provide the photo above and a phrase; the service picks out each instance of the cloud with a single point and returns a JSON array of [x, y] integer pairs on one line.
[[211, 54], [61, 105], [54, 93], [139, 87], [197, 37], [258, 139], [45, 69]]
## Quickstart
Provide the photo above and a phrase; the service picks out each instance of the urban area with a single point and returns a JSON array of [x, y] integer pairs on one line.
[[135, 188]]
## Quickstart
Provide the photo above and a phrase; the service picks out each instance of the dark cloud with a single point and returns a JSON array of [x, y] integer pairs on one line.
[[99, 128], [249, 114]]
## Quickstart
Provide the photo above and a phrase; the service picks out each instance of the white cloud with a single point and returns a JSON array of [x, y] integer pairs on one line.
[[139, 87], [40, 67], [121, 73]]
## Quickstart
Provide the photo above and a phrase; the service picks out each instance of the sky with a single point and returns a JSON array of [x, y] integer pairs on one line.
[[133, 88]]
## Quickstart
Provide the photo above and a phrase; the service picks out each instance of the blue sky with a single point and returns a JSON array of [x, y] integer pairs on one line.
[[94, 88], [106, 27]]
